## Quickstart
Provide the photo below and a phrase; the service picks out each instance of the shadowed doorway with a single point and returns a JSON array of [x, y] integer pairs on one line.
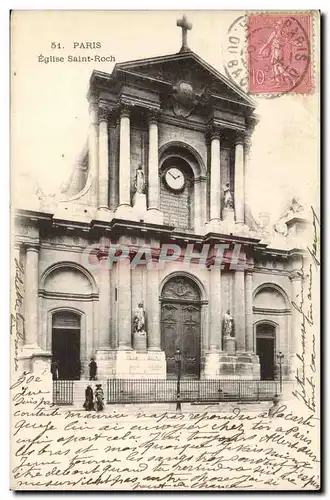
[[66, 344], [265, 336]]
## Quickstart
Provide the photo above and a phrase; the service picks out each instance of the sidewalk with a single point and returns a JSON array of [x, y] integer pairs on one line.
[[135, 408]]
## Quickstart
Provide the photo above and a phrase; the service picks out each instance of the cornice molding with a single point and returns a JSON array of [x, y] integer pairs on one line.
[[295, 275], [182, 123], [33, 246], [68, 296], [270, 312], [274, 272]]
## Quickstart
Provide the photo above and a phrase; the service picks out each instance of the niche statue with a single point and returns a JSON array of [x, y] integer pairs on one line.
[[228, 325], [139, 181], [228, 199], [139, 333], [139, 319]]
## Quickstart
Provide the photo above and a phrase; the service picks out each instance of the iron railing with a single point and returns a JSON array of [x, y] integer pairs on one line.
[[63, 392], [208, 391]]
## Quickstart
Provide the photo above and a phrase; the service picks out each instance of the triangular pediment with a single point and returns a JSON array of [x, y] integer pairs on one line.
[[186, 67]]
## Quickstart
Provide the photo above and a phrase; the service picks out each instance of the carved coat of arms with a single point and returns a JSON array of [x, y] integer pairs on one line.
[[185, 98]]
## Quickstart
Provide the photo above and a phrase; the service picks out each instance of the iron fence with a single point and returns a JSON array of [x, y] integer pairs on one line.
[[63, 392], [208, 391]]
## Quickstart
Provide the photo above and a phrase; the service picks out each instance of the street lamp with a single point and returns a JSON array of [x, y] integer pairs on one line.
[[177, 357], [280, 357]]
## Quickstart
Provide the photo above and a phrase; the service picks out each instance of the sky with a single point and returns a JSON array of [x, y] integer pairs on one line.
[[49, 109]]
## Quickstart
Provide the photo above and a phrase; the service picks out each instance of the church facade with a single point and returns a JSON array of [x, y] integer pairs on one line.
[[151, 248]]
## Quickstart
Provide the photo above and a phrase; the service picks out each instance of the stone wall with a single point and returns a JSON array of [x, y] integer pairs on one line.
[[177, 207], [194, 138]]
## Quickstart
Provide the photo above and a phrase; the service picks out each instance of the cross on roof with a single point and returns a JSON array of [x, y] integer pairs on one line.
[[185, 26]]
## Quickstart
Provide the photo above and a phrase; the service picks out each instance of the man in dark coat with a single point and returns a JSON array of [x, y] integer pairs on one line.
[[89, 399], [92, 369], [54, 369]]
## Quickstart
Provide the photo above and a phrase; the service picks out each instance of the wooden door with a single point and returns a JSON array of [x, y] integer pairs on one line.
[[181, 326]]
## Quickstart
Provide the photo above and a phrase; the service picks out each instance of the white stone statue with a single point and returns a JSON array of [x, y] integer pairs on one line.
[[228, 325], [139, 318], [292, 209], [228, 199], [139, 181]]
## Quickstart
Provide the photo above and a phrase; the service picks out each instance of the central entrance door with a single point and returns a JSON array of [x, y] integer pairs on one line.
[[66, 344], [180, 325]]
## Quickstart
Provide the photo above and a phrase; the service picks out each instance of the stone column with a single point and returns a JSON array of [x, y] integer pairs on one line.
[[124, 158], [104, 299], [239, 179], [200, 198], [103, 159], [249, 311], [124, 305], [248, 169], [215, 309], [31, 294], [93, 147], [215, 184], [154, 214], [239, 304], [153, 310]]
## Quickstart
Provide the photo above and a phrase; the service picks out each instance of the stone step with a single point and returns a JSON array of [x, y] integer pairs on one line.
[[79, 387]]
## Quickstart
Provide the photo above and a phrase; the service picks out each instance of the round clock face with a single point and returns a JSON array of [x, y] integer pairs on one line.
[[174, 179]]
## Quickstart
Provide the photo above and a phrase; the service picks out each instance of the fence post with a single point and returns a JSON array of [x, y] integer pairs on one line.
[[239, 391]]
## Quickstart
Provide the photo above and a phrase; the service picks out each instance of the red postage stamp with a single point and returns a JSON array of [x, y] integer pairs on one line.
[[279, 53]]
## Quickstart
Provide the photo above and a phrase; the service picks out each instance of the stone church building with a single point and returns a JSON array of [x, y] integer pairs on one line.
[[165, 167]]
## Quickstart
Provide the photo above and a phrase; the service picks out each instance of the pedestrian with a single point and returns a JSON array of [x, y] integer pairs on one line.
[[99, 397], [89, 399], [92, 369], [274, 407], [54, 369]]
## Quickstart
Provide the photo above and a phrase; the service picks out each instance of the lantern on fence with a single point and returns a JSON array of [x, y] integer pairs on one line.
[[178, 358]]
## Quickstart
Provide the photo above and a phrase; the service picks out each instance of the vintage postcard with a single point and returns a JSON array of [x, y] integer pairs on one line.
[[165, 250]]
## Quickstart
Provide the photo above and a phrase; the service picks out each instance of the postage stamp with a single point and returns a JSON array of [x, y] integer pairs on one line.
[[279, 53]]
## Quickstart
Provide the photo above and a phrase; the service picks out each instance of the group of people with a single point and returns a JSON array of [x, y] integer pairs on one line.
[[89, 403]]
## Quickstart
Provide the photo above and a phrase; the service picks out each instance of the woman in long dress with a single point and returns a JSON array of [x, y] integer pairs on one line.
[[99, 397]]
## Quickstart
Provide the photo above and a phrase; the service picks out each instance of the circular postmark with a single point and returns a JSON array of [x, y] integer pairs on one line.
[[269, 55], [234, 53]]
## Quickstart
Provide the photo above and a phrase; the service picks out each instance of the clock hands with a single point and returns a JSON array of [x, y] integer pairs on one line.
[[175, 177]]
